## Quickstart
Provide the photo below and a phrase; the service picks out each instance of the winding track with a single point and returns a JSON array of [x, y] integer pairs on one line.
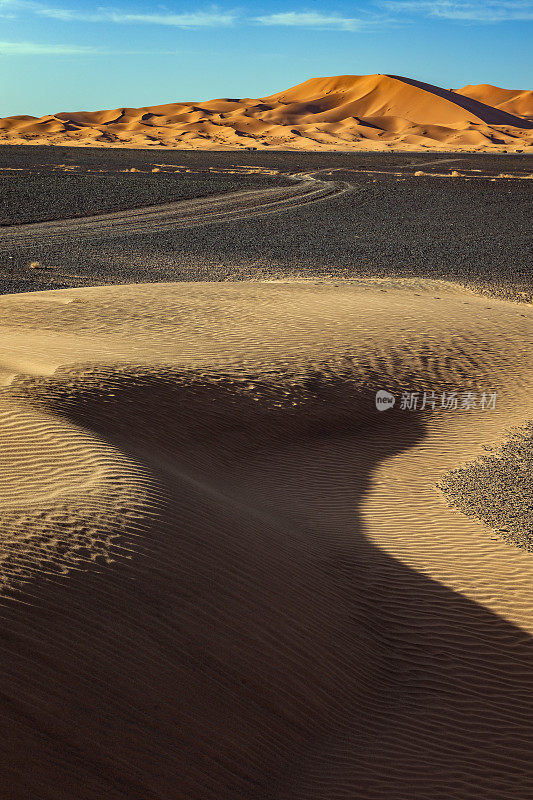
[[229, 207]]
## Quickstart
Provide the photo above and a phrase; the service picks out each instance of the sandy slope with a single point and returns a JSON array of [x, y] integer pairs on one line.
[[514, 101], [348, 111], [227, 575]]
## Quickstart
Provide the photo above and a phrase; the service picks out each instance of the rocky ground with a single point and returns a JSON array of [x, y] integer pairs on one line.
[[498, 488], [413, 214]]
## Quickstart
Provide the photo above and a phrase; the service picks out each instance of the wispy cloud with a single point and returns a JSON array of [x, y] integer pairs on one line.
[[195, 19], [35, 49], [213, 17], [8, 9], [382, 11], [11, 7], [311, 19], [467, 10]]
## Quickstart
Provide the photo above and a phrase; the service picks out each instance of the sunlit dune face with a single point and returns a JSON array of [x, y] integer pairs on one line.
[[371, 112]]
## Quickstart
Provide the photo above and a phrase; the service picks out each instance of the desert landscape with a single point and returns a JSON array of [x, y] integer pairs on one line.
[[373, 112], [226, 570]]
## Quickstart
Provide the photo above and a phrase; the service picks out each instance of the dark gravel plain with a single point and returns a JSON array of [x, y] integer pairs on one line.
[[472, 229], [58, 195], [44, 191]]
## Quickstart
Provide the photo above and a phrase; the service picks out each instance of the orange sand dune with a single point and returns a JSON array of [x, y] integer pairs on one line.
[[514, 101], [347, 111]]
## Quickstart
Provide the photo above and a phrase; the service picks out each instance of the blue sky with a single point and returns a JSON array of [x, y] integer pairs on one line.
[[67, 55]]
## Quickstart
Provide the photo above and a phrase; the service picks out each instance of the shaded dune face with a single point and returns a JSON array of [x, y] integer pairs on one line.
[[515, 101], [479, 110], [235, 650], [319, 113], [193, 602]]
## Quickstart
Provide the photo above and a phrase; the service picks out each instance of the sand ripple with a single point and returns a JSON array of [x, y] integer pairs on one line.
[[227, 575]]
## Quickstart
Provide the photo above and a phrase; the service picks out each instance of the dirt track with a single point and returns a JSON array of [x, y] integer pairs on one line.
[[464, 219], [227, 207]]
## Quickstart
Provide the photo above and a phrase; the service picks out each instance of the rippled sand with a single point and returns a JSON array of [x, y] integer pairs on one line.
[[226, 574]]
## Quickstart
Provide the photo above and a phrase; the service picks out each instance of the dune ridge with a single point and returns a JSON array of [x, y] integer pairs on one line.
[[374, 112], [266, 598], [514, 101]]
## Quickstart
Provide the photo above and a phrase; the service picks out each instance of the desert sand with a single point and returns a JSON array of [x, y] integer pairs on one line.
[[370, 112], [227, 575]]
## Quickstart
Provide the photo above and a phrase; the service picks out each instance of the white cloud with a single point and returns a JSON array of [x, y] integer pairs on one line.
[[7, 9], [196, 19], [35, 49], [13, 6], [467, 10], [386, 11], [311, 19]]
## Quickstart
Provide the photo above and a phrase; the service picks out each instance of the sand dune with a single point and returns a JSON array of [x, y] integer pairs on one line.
[[348, 111], [514, 101], [227, 575]]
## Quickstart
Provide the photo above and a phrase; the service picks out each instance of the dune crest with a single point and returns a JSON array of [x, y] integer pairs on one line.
[[372, 112]]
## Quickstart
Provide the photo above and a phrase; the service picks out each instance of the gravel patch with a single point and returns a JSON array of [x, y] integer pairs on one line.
[[498, 488]]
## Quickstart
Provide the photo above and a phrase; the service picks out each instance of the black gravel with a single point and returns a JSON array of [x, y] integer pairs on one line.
[[475, 231], [34, 157], [47, 193], [498, 489]]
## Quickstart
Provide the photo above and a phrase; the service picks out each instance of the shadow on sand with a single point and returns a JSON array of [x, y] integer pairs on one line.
[[250, 642], [488, 114]]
